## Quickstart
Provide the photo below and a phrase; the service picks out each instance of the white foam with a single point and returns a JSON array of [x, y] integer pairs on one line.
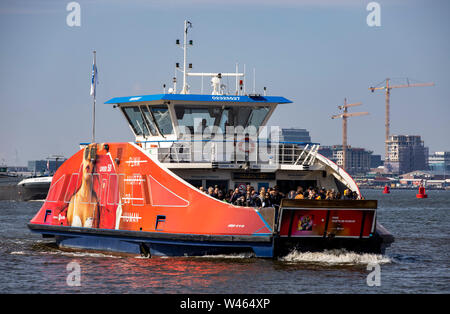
[[18, 253], [82, 254], [240, 255], [337, 257]]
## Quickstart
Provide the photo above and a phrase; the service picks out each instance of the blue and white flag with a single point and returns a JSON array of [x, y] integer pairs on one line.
[[94, 80]]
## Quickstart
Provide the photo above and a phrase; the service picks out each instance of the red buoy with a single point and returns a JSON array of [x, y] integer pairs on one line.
[[421, 193], [386, 189]]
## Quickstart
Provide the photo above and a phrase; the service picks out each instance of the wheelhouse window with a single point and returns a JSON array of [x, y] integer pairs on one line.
[[197, 118], [257, 116], [149, 120], [162, 119], [136, 120]]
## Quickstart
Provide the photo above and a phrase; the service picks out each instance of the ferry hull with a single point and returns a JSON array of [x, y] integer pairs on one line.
[[151, 244], [185, 245]]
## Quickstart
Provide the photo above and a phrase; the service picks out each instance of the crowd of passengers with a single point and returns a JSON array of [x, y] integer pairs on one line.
[[272, 196]]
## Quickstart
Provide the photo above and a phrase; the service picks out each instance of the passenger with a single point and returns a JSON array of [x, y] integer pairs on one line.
[[261, 197], [348, 195], [228, 196], [333, 194], [201, 189], [292, 195], [267, 202], [275, 197], [235, 196], [317, 195], [262, 190], [299, 191], [256, 200], [307, 193], [240, 201], [211, 192], [248, 198], [299, 196], [277, 188], [204, 124], [322, 193]]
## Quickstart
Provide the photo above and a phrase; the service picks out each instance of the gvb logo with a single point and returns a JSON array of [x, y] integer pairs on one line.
[[74, 17], [374, 17], [74, 277], [374, 277]]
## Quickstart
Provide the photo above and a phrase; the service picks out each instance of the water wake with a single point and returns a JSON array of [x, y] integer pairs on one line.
[[17, 253], [82, 254], [335, 257], [230, 256]]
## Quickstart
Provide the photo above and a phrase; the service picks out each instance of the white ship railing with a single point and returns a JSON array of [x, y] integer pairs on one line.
[[210, 151]]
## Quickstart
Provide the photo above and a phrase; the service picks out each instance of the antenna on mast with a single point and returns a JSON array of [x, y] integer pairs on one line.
[[187, 25], [216, 77]]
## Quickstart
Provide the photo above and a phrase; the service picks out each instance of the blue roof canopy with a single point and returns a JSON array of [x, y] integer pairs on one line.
[[202, 98]]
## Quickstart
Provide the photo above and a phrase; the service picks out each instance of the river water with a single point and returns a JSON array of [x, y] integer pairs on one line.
[[417, 262]]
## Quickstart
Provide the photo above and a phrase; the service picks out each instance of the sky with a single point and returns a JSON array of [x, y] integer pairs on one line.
[[313, 52]]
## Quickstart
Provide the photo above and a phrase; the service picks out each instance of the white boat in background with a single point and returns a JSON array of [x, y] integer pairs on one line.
[[35, 188]]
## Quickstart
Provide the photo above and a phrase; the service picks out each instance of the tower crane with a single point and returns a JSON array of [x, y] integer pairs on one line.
[[344, 115], [387, 88]]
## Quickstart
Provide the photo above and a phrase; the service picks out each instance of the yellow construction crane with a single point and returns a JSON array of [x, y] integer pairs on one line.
[[387, 88], [344, 115]]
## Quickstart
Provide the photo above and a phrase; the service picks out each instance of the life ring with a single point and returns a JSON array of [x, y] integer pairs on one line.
[[250, 148]]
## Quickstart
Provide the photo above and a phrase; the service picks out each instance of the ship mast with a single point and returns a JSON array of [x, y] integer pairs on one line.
[[215, 77], [187, 24]]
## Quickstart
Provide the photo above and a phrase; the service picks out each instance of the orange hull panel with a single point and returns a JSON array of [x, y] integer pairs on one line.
[[118, 186]]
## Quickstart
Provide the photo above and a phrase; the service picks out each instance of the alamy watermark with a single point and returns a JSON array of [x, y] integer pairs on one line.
[[74, 17], [374, 277], [73, 279], [374, 17]]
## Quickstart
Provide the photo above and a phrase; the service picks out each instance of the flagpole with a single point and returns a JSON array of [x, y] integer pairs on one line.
[[94, 77]]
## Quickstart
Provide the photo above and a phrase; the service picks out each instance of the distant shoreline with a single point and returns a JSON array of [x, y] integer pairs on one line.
[[362, 187]]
